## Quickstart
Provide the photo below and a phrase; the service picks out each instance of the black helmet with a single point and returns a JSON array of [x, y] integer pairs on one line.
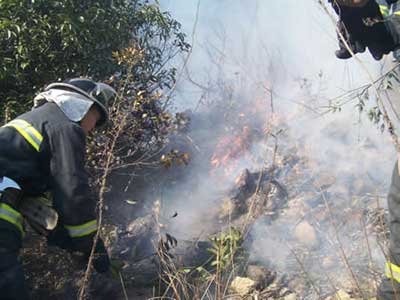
[[99, 93]]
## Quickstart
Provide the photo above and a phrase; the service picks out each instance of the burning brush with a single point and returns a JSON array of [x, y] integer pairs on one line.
[[230, 149]]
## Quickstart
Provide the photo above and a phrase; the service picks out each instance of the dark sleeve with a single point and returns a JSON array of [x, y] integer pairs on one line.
[[73, 199]]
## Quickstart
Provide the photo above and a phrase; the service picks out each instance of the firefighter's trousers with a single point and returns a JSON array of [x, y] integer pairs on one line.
[[390, 286], [12, 281]]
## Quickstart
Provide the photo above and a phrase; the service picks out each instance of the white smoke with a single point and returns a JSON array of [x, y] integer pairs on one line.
[[287, 46]]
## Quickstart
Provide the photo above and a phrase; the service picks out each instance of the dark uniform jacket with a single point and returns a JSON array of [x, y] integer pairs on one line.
[[42, 150], [378, 35]]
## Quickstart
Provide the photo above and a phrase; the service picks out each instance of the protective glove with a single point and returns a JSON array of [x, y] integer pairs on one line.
[[60, 237]]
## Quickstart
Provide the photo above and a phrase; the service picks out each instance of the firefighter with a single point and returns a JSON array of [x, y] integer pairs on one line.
[[390, 285], [381, 36], [42, 153], [367, 24]]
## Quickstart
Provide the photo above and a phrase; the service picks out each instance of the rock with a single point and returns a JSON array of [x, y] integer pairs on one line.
[[306, 234], [342, 295], [284, 291], [261, 275], [243, 285], [290, 297]]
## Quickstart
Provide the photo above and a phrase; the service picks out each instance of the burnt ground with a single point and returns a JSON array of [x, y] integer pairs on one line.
[[308, 229]]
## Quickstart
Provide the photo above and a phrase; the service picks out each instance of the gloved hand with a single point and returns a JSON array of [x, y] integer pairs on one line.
[[101, 261], [60, 237]]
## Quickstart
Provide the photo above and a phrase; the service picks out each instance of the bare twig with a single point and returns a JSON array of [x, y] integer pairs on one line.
[[123, 286], [108, 153], [369, 250], [303, 268], [185, 62], [343, 254]]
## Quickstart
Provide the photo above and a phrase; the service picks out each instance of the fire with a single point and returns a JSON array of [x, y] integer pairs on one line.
[[230, 149], [250, 126]]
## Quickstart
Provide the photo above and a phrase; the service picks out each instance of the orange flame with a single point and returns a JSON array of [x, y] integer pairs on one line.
[[230, 148]]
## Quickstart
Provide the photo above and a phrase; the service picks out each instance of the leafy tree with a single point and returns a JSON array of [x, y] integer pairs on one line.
[[42, 41]]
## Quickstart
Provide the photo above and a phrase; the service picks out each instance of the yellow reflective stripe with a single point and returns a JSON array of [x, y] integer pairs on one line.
[[30, 134], [82, 230], [384, 10], [397, 13], [29, 129], [12, 216], [392, 271]]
